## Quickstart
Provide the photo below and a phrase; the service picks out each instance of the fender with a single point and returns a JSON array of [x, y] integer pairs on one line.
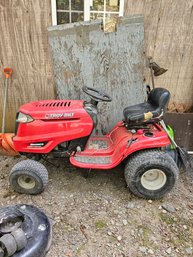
[[120, 144], [142, 141]]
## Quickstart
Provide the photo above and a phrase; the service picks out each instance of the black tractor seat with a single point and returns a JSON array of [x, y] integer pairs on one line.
[[155, 106]]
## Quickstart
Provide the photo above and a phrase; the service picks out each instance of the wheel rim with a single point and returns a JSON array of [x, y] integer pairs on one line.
[[11, 225], [26, 182], [153, 179]]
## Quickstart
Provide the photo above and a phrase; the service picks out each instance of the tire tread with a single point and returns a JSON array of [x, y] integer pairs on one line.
[[29, 167], [139, 158]]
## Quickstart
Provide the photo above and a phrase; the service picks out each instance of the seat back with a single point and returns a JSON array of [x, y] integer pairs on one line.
[[159, 97]]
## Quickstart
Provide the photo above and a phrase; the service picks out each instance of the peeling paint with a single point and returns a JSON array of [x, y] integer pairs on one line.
[[83, 55]]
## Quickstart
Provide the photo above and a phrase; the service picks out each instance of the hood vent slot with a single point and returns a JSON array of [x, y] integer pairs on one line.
[[54, 104]]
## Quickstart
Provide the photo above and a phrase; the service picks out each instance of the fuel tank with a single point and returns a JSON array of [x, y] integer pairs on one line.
[[48, 123]]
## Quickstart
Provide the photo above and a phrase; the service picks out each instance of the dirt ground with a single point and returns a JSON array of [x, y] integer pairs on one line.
[[95, 215]]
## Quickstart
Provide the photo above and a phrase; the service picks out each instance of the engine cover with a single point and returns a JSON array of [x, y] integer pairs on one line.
[[54, 122]]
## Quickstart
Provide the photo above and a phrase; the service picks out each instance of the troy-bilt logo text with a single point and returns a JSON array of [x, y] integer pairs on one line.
[[59, 115]]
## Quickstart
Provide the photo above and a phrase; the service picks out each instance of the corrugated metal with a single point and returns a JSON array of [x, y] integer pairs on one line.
[[83, 55]]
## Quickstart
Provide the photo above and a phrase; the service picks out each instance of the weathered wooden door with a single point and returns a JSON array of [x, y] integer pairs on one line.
[[83, 55]]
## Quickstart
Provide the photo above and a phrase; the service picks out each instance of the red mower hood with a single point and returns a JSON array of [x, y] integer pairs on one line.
[[53, 109]]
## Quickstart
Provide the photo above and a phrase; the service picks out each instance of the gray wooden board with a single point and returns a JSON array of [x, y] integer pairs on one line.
[[83, 55]]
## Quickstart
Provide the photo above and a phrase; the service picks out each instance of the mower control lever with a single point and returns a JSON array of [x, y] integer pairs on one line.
[[96, 95]]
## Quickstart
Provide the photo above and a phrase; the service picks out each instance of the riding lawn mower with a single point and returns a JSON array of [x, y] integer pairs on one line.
[[66, 128]]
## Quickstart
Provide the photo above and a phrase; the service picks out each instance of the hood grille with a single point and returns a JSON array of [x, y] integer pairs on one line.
[[54, 104]]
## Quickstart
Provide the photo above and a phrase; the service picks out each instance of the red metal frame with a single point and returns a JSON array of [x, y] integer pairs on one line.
[[119, 148], [58, 121], [75, 124]]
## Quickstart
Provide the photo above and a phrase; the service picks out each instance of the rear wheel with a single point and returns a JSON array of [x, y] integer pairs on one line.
[[151, 174], [28, 177]]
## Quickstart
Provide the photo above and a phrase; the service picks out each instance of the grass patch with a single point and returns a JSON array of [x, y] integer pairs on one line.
[[100, 224], [80, 248], [146, 232], [180, 236], [169, 220]]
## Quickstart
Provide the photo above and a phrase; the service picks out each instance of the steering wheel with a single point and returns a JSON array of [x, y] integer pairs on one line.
[[96, 94]]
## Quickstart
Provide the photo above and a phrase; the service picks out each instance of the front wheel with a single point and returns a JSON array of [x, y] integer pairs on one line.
[[28, 177], [151, 173]]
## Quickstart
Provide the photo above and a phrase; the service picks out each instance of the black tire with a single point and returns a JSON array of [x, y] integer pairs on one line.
[[28, 177], [8, 244], [151, 174]]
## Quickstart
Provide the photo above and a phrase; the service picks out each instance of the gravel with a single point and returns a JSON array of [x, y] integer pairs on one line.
[[97, 216], [189, 250]]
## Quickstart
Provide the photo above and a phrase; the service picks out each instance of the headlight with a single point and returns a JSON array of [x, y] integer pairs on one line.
[[24, 118]]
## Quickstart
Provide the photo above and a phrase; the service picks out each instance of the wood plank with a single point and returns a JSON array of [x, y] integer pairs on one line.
[[24, 47], [84, 55], [169, 37]]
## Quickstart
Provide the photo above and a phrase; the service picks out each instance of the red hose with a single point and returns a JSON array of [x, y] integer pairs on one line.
[[6, 145]]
